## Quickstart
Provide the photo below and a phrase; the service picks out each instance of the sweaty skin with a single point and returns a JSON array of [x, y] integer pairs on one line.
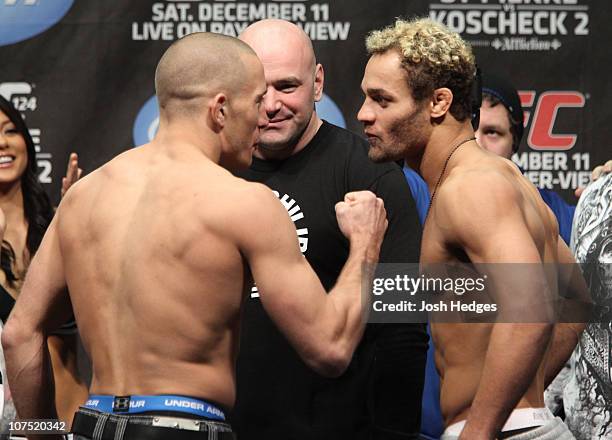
[[157, 249]]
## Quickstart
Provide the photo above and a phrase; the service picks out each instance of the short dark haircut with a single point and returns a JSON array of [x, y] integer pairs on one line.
[[515, 125]]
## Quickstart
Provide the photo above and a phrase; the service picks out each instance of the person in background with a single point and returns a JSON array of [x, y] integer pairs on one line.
[[25, 214], [310, 164]]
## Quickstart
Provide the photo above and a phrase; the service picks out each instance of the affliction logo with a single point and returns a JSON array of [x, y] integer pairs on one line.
[[513, 25], [541, 135]]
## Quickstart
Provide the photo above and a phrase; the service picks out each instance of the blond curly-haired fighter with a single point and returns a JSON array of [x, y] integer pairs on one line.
[[417, 85]]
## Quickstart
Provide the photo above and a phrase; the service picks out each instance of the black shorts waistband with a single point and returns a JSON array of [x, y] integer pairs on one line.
[[99, 425]]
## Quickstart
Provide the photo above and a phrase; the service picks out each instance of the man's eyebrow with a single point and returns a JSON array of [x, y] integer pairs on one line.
[[288, 80], [375, 91], [490, 125]]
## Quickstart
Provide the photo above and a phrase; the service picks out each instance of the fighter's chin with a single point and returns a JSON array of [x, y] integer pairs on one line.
[[378, 155]]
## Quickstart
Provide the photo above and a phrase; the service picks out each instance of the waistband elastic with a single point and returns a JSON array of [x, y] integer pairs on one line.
[[138, 404], [519, 419]]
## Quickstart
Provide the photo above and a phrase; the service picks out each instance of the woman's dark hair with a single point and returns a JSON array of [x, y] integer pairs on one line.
[[37, 207]]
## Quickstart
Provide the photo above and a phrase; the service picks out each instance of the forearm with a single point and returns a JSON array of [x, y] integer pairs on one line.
[[30, 376], [515, 352], [348, 301], [564, 341], [324, 328], [339, 321]]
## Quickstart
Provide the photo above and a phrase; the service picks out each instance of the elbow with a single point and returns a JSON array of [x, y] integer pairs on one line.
[[331, 361], [13, 336]]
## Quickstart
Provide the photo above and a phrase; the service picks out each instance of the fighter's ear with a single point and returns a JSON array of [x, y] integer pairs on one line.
[[319, 79], [218, 111], [440, 102]]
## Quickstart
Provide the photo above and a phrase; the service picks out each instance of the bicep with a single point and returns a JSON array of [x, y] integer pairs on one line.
[[289, 288], [507, 240], [497, 239]]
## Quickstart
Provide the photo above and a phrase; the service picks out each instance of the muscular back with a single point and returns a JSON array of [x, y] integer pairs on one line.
[[155, 282], [485, 212]]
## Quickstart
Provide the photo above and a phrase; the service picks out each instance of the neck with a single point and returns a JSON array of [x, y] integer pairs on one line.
[[307, 135], [188, 138], [438, 149]]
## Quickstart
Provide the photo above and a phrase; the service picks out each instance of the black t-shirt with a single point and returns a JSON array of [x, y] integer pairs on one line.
[[379, 396]]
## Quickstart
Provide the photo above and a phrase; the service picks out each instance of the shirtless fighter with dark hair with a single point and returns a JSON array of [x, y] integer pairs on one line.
[[157, 249]]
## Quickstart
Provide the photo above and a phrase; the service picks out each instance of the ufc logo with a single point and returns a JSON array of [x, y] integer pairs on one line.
[[8, 89], [541, 136]]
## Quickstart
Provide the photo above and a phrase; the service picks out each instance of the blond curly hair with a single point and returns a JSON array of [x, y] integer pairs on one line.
[[433, 57]]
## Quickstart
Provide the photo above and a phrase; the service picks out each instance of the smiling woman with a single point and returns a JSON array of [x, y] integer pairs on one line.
[[25, 213], [26, 208]]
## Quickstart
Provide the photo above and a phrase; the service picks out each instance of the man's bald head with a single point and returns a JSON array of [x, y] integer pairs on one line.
[[294, 83], [279, 35], [200, 65]]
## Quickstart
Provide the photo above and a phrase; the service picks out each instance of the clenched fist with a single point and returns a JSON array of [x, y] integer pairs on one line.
[[363, 220]]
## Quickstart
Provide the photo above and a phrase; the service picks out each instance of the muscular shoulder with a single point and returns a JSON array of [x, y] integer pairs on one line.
[[477, 198], [255, 214], [254, 195], [478, 185], [249, 203], [491, 213], [113, 169], [77, 192]]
